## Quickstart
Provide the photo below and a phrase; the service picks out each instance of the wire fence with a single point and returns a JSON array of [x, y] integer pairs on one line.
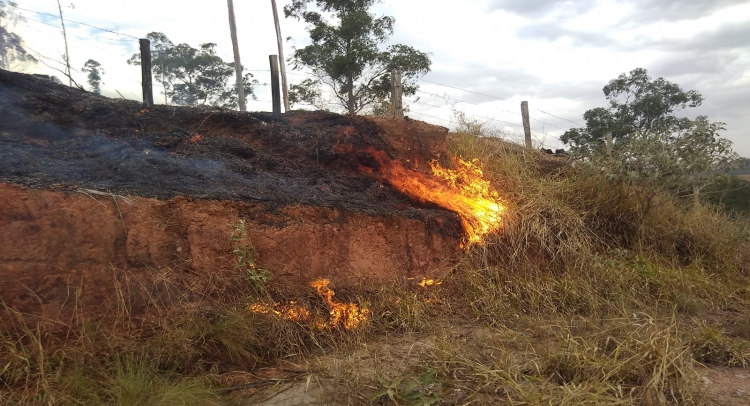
[[437, 103]]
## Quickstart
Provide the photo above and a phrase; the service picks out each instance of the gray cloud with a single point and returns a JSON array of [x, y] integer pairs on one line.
[[535, 8], [553, 31], [646, 10], [679, 10], [727, 36]]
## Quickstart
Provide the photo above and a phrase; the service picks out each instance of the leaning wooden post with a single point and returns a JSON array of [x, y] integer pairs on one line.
[[237, 63], [282, 64], [148, 91], [396, 94], [276, 96], [526, 125]]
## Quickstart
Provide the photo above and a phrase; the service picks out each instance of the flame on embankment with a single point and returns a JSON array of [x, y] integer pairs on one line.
[[347, 315], [462, 190]]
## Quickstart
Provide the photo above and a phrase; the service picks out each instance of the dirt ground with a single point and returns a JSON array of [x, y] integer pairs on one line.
[[91, 184]]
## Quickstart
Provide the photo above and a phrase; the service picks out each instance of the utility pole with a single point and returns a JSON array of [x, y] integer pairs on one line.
[[526, 125], [237, 63], [65, 37], [396, 94], [284, 88]]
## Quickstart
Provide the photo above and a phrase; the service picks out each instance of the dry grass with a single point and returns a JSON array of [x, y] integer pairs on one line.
[[584, 297]]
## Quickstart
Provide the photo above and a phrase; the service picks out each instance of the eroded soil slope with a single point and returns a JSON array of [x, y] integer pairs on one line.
[[90, 184]]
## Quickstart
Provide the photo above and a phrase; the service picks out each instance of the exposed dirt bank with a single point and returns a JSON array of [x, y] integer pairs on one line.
[[183, 176]]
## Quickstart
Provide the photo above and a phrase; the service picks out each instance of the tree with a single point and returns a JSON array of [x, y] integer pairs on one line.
[[344, 54], [161, 61], [194, 76], [653, 149], [11, 45], [94, 72]]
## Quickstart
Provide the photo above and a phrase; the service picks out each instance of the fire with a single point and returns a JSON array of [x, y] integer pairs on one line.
[[429, 282], [462, 190], [347, 315], [289, 312]]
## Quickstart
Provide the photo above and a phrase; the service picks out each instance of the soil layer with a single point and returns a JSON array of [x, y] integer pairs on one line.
[[91, 184]]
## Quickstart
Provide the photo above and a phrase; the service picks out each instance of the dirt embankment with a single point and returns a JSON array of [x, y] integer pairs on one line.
[[90, 185]]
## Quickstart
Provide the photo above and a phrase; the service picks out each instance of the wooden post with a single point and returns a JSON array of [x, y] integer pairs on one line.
[[282, 64], [237, 63], [148, 91], [276, 97], [609, 145], [526, 125], [696, 193], [65, 37], [396, 94]]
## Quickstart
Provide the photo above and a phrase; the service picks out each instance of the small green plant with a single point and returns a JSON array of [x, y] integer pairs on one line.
[[424, 390], [247, 258]]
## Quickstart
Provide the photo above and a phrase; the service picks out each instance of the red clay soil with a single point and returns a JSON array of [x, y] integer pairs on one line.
[[92, 186]]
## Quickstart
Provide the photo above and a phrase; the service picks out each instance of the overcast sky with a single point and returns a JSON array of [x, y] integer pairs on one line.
[[557, 55]]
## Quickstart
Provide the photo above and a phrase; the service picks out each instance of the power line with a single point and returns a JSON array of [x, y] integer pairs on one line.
[[475, 104], [429, 115], [75, 22], [560, 118], [464, 90]]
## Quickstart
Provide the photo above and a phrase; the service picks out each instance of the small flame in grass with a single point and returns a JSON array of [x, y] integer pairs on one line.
[[289, 312], [347, 315], [429, 282]]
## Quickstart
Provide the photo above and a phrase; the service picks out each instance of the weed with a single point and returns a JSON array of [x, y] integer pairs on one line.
[[424, 390], [247, 258]]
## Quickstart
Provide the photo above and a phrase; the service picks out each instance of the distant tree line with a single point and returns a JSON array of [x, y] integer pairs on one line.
[[193, 76]]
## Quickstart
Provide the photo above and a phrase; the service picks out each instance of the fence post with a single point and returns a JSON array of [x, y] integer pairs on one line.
[[148, 91], [526, 125], [275, 94], [396, 94], [609, 145]]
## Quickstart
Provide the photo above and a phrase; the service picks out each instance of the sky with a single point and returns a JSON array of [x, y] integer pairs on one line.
[[487, 55]]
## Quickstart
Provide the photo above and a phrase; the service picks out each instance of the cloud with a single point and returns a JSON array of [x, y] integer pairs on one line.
[[536, 8], [552, 32], [727, 36], [679, 10]]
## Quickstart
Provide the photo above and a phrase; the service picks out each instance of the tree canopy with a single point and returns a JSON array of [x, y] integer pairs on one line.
[[11, 45], [345, 56], [650, 145], [94, 72], [194, 76]]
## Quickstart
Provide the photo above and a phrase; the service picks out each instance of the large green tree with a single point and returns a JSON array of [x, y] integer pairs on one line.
[[651, 147], [194, 76], [345, 56], [12, 49]]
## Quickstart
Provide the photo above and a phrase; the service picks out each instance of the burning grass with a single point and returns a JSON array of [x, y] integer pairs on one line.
[[582, 298], [461, 189]]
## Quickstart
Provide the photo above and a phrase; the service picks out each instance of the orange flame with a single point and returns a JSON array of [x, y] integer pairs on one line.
[[347, 315], [462, 190], [429, 282]]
